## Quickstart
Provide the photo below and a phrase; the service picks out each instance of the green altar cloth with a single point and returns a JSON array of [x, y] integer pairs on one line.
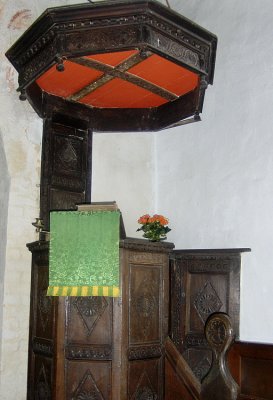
[[84, 253]]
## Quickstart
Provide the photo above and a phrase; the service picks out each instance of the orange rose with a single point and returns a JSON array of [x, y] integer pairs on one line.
[[162, 220], [144, 219]]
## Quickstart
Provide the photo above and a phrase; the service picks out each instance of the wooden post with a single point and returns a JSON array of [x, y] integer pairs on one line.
[[219, 383]]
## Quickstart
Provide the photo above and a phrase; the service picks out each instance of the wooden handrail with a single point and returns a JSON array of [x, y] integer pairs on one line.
[[251, 364], [182, 370]]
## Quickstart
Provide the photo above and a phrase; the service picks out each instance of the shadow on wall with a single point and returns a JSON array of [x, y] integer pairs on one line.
[[4, 197]]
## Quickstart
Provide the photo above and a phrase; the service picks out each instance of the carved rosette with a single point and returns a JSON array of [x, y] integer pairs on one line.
[[145, 304], [90, 309], [216, 332], [207, 301]]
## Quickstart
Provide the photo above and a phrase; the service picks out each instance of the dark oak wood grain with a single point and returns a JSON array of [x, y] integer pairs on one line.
[[114, 348], [219, 384], [66, 165], [180, 381], [251, 364], [202, 282], [67, 33]]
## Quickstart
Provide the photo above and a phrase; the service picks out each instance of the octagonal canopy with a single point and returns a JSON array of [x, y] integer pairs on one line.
[[125, 65]]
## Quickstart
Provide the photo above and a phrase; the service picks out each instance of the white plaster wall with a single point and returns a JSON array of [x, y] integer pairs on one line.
[[215, 177], [123, 171], [4, 196], [21, 132]]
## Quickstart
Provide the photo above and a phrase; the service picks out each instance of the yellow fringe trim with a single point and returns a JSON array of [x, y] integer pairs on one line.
[[105, 291]]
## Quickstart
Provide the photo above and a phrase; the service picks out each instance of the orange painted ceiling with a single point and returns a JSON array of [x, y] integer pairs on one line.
[[124, 79]]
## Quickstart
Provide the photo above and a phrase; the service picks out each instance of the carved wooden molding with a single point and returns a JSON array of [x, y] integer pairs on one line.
[[38, 246], [70, 33], [177, 301], [146, 258], [142, 352], [92, 352], [91, 33], [42, 346], [146, 246]]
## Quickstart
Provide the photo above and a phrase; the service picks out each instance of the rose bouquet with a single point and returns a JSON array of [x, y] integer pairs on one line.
[[154, 228]]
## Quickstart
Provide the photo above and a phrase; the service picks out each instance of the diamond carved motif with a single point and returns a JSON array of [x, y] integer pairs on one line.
[[145, 390], [145, 305], [207, 301], [90, 310], [87, 389], [202, 368], [42, 389], [67, 154]]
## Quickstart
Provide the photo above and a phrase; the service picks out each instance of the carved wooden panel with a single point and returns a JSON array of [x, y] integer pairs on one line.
[[64, 200], [42, 325], [88, 380], [146, 280], [145, 380], [89, 320], [99, 348], [66, 171], [145, 304], [202, 283]]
